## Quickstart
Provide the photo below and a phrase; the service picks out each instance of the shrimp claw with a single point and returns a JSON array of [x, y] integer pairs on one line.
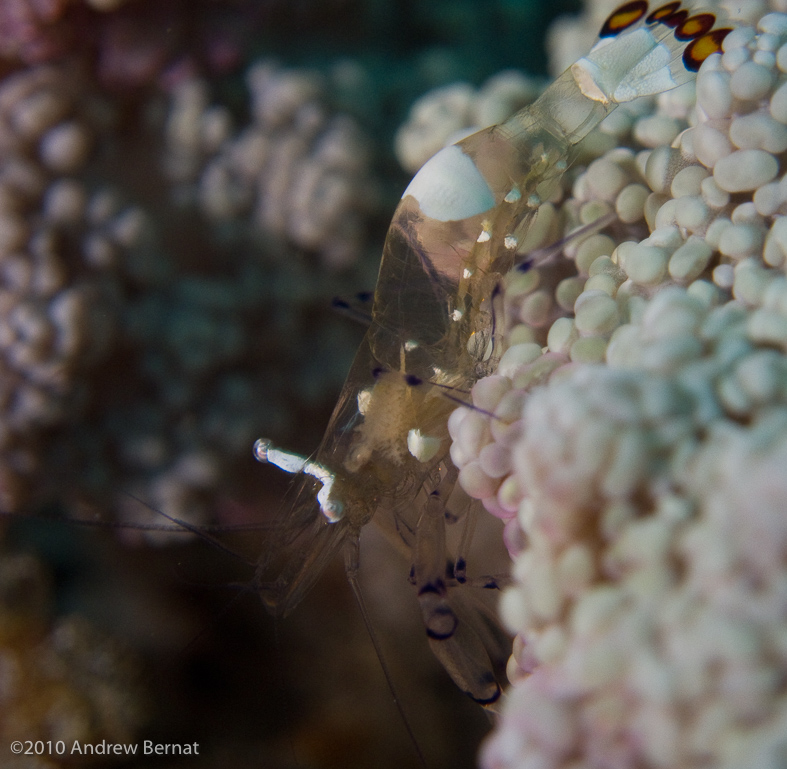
[[265, 451]]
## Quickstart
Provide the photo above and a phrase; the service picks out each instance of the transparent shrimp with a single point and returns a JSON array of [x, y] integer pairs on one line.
[[453, 236]]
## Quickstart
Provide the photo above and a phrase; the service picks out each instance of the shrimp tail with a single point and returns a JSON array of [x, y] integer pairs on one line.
[[643, 54]]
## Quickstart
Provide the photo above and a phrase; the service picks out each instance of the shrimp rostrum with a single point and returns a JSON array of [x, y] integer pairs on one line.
[[455, 233]]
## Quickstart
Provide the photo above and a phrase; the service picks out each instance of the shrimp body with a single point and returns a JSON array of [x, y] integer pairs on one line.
[[453, 236]]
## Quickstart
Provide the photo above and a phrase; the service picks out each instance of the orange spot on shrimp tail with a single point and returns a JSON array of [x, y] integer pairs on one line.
[[624, 17], [663, 13], [698, 50], [695, 26]]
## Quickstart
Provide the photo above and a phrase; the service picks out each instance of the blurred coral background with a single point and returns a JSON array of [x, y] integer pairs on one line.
[[184, 188]]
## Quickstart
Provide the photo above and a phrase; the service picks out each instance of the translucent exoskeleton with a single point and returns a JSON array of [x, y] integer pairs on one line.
[[453, 236]]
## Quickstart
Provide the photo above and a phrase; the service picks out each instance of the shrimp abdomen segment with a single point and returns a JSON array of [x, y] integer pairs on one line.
[[445, 254]]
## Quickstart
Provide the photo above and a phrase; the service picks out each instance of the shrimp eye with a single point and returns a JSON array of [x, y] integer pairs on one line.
[[413, 380], [378, 371], [700, 48], [624, 17]]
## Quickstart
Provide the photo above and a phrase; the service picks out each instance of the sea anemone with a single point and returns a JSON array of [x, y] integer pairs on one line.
[[640, 421]]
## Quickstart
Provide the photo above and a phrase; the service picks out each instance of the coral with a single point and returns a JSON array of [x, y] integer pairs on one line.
[[62, 679], [640, 418], [168, 240], [132, 366], [286, 200], [646, 588], [131, 43], [56, 310], [33, 30], [298, 172]]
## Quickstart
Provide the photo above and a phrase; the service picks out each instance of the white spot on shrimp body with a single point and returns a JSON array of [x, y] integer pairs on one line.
[[449, 187], [422, 447], [364, 399]]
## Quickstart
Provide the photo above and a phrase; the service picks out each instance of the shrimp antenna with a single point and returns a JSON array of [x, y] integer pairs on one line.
[[88, 523], [351, 562], [470, 405], [245, 590], [542, 256], [190, 527], [177, 527]]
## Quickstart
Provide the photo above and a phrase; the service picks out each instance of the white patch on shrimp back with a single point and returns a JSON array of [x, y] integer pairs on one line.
[[449, 187], [624, 68]]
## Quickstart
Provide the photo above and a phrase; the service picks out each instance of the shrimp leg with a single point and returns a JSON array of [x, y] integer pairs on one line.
[[352, 560]]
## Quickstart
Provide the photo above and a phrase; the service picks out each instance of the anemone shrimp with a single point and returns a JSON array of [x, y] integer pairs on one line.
[[454, 236]]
